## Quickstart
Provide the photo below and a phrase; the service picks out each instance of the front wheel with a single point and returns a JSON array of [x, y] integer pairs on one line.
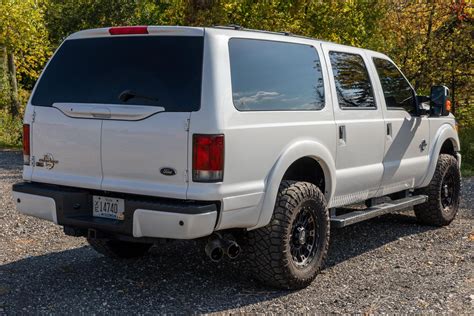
[[443, 194], [290, 251]]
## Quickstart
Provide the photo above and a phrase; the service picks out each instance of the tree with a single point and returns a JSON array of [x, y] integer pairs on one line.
[[64, 17], [432, 42], [24, 43]]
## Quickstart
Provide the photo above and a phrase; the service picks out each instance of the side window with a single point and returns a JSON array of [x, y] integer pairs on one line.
[[272, 76], [353, 86], [397, 91]]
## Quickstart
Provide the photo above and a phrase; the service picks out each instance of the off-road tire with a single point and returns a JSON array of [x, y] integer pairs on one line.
[[118, 249], [269, 247], [433, 212]]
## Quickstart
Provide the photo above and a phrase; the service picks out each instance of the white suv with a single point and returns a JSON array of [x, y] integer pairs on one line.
[[251, 139]]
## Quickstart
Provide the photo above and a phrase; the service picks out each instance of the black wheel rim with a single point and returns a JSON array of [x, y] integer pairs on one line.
[[304, 237], [449, 192]]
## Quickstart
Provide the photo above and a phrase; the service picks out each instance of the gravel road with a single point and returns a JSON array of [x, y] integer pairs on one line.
[[385, 265]]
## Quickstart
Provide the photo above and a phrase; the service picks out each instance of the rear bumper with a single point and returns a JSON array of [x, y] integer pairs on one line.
[[144, 216]]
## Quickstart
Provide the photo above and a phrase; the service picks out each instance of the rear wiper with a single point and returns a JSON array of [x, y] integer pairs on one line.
[[129, 94]]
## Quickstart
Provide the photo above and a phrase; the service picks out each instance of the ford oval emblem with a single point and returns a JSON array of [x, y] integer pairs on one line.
[[168, 171]]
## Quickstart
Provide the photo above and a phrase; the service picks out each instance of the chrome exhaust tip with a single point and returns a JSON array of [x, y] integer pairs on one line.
[[233, 249], [217, 246], [214, 249]]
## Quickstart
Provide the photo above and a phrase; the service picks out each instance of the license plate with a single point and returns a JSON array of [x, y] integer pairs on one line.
[[108, 207]]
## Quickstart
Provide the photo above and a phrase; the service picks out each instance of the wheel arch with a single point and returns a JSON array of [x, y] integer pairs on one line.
[[446, 141], [449, 147], [303, 152], [306, 169]]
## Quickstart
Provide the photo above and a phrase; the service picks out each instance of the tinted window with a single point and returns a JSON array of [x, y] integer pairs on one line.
[[270, 76], [396, 90], [98, 70], [353, 86]]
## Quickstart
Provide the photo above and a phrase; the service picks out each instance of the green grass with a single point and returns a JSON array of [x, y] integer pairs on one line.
[[467, 172], [4, 145]]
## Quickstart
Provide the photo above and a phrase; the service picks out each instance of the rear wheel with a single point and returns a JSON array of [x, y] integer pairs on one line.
[[443, 194], [289, 252], [119, 249]]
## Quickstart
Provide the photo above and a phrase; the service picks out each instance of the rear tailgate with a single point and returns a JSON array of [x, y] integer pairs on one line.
[[146, 157], [65, 150], [112, 111]]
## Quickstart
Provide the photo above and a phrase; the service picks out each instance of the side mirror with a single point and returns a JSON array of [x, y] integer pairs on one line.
[[440, 105]]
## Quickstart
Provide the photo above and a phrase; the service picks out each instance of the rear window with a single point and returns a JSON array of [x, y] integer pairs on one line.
[[275, 76], [163, 71]]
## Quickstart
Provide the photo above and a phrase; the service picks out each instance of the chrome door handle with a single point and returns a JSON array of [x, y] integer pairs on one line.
[[342, 134]]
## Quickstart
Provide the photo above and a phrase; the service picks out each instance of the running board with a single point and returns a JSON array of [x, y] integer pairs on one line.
[[376, 210]]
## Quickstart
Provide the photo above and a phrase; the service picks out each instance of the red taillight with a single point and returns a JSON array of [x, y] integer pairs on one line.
[[208, 158], [124, 30], [26, 144]]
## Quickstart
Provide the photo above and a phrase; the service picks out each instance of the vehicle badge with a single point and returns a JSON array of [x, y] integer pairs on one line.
[[47, 161], [168, 171]]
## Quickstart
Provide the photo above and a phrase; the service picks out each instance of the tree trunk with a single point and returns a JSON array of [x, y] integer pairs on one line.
[[3, 59], [425, 51], [453, 80], [15, 104]]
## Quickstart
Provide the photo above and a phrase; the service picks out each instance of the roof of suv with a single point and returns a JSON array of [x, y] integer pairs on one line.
[[230, 30]]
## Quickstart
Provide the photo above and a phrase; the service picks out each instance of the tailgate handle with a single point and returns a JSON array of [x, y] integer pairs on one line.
[[123, 112], [101, 113], [83, 110], [133, 112]]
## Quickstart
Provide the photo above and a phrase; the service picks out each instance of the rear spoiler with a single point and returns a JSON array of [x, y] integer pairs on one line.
[[139, 31]]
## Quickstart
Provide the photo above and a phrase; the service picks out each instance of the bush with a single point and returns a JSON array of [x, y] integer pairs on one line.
[[466, 136], [10, 130], [11, 127]]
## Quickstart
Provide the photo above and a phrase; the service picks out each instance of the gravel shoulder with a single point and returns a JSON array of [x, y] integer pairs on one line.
[[386, 265]]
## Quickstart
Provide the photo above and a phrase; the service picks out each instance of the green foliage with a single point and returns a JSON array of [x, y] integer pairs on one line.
[[11, 127], [4, 85], [466, 136], [65, 17], [10, 130], [22, 31], [431, 41]]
